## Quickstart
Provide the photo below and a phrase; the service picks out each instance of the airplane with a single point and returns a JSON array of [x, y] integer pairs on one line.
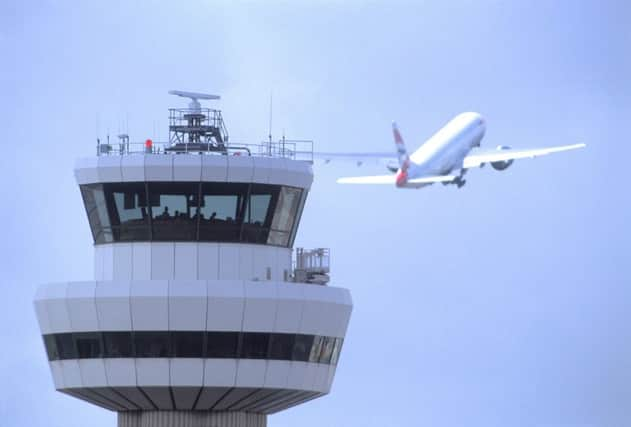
[[445, 157]]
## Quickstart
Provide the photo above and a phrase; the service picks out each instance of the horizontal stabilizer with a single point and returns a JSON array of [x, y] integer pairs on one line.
[[392, 179], [431, 179], [353, 156], [376, 179]]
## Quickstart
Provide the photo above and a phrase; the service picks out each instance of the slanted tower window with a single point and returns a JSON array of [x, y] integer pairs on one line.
[[193, 211]]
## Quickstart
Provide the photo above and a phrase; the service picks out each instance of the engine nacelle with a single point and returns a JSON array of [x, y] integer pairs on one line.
[[503, 164]]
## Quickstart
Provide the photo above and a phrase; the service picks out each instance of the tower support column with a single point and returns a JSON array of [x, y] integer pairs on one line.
[[190, 419]]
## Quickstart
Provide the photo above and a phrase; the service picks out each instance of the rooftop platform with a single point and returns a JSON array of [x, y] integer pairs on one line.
[[293, 149], [203, 131]]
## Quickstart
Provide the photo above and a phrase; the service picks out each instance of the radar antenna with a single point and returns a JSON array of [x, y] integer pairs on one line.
[[194, 96]]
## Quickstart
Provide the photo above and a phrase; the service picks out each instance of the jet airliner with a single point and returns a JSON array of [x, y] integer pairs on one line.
[[445, 157]]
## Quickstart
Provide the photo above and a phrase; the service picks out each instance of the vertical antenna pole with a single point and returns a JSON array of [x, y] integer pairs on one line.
[[269, 147], [283, 143], [98, 140], [270, 116], [127, 129]]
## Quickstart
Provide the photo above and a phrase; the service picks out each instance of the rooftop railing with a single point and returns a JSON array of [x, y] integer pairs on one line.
[[294, 149]]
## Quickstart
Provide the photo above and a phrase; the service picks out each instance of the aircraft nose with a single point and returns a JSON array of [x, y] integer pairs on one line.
[[480, 127], [474, 120], [481, 122], [473, 117]]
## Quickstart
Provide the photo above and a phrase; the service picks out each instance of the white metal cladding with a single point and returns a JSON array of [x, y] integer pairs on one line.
[[163, 373], [190, 261], [215, 305], [189, 167], [205, 400], [192, 305]]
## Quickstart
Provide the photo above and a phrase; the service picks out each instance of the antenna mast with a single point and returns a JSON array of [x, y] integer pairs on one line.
[[270, 116]]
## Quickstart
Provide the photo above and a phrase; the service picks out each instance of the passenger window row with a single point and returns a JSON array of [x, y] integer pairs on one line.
[[193, 344]]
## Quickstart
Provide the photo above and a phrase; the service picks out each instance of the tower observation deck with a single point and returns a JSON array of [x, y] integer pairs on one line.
[[197, 314]]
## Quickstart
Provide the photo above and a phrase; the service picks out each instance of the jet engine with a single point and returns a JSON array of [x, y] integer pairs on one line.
[[503, 164]]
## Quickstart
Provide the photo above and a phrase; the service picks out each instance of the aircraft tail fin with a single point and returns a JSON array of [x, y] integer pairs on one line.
[[404, 157], [402, 152]]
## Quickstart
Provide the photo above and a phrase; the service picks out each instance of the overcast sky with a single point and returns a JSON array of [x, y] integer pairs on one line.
[[505, 303]]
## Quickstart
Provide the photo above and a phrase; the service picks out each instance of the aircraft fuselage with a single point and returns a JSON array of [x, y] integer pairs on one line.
[[445, 151]]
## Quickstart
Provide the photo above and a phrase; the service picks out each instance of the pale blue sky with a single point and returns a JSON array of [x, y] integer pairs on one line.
[[505, 303]]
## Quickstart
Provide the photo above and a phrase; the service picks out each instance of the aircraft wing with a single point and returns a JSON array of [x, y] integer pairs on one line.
[[355, 157], [475, 160], [392, 179]]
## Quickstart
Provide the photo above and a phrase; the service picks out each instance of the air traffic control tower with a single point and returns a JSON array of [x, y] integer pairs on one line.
[[200, 313]]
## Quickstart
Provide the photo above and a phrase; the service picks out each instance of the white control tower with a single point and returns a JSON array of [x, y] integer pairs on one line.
[[196, 315]]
